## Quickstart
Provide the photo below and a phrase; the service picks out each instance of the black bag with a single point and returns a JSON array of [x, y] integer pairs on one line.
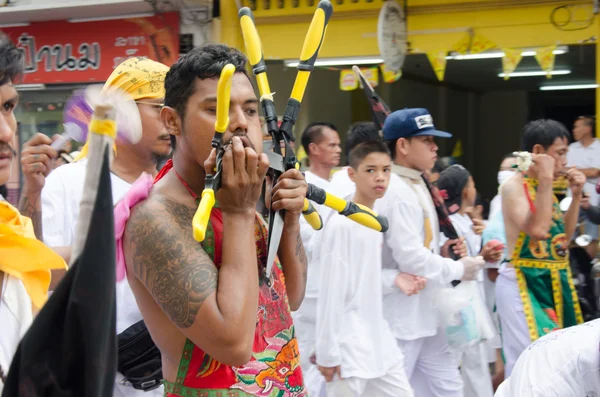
[[139, 359]]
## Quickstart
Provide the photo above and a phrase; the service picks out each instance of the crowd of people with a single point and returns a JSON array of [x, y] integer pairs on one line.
[[444, 303]]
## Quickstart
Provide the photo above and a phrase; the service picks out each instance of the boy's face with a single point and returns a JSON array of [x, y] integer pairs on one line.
[[8, 127], [558, 150], [373, 175]]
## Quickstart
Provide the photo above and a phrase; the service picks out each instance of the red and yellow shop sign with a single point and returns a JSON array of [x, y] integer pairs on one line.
[[63, 52]]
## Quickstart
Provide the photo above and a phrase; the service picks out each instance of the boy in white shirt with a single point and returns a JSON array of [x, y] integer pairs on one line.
[[354, 342]]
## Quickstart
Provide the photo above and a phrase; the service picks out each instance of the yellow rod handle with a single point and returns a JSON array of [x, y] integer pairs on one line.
[[312, 45], [254, 49], [200, 220], [366, 217], [223, 98], [312, 216]]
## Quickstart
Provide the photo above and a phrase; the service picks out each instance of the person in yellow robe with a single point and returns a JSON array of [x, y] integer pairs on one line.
[[25, 262]]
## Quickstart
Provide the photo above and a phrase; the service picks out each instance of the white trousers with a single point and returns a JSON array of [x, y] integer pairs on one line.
[[515, 333], [432, 367], [305, 325], [393, 384], [475, 372]]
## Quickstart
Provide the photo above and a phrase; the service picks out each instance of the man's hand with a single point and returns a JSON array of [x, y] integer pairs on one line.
[[289, 192], [576, 181], [491, 252], [410, 284], [478, 226], [542, 166], [36, 162], [329, 372], [472, 267], [243, 173], [585, 202], [459, 248]]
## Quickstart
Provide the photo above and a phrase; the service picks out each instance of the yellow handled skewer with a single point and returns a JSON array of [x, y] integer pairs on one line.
[[212, 182]]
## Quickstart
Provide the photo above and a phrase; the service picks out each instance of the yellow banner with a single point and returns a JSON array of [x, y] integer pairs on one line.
[[372, 75], [438, 63], [473, 44], [389, 76], [510, 61], [348, 80], [545, 57]]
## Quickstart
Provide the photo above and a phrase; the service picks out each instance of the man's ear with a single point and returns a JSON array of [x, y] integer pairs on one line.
[[171, 120], [538, 149], [352, 174], [313, 148], [402, 146]]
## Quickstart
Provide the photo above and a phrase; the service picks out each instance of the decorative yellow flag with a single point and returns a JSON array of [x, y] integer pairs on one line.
[[510, 61], [300, 153], [457, 151], [545, 57], [389, 76], [473, 44], [438, 62], [372, 76], [348, 80]]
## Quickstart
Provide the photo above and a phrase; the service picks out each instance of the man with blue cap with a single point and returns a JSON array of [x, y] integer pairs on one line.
[[412, 246]]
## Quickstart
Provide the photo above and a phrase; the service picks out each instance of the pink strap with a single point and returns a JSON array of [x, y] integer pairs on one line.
[[139, 191]]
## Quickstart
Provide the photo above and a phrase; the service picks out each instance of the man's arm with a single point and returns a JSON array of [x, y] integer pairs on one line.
[[590, 172], [406, 245], [576, 181], [515, 206], [36, 163], [293, 260], [30, 205], [215, 309], [289, 194]]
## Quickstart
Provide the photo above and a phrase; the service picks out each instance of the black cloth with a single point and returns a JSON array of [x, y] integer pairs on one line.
[[71, 348]]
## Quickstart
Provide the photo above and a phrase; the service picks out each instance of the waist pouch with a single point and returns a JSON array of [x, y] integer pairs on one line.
[[139, 359]]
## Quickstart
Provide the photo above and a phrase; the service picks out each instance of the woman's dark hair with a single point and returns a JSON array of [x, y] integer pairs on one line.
[[11, 61], [543, 132]]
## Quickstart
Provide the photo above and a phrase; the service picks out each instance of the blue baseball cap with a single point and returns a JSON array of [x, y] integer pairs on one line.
[[407, 123]]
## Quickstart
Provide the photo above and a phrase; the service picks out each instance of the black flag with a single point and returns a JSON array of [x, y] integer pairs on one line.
[[71, 349]]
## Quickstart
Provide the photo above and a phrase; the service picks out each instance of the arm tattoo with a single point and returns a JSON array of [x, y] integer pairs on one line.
[[32, 209], [301, 255], [175, 269]]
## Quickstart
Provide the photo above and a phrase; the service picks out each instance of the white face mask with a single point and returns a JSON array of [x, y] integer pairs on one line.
[[504, 175]]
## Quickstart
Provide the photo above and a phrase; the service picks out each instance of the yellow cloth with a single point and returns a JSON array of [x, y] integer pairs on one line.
[[141, 78], [23, 256]]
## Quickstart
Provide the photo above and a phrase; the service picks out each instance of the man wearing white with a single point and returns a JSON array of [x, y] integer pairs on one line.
[[584, 154], [322, 145], [354, 341], [562, 363], [63, 189], [412, 246]]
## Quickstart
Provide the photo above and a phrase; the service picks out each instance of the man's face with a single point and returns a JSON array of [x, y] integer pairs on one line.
[[327, 150], [420, 152], [8, 127], [558, 150], [508, 164], [581, 129], [373, 175], [198, 126], [156, 141]]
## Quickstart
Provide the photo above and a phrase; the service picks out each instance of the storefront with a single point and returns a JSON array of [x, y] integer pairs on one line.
[[63, 56]]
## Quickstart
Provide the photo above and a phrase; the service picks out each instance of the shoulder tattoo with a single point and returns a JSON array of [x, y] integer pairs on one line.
[[173, 266]]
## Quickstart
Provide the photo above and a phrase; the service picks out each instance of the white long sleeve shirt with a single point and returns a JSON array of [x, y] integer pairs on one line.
[[351, 329], [412, 317], [562, 363]]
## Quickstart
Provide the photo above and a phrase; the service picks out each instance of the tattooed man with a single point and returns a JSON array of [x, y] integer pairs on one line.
[[223, 326]]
